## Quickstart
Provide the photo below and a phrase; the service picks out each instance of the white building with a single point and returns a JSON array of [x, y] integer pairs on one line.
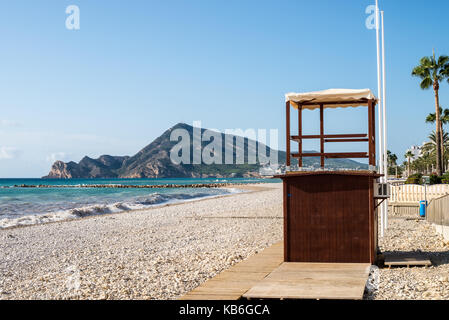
[[270, 170], [416, 151]]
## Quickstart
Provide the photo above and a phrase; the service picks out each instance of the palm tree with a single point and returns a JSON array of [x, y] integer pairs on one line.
[[391, 161], [423, 163], [444, 119], [391, 158], [430, 147], [404, 165], [432, 72], [408, 156]]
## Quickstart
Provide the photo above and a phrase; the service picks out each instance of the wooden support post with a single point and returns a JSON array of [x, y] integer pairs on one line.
[[322, 134], [300, 135], [287, 115], [372, 214], [372, 161]]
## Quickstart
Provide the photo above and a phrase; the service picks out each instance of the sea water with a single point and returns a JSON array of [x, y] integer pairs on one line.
[[70, 199]]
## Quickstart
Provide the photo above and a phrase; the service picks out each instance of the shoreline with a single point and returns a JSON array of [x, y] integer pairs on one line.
[[242, 187], [130, 186]]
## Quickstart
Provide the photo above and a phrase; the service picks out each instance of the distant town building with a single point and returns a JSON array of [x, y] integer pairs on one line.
[[270, 170], [416, 151]]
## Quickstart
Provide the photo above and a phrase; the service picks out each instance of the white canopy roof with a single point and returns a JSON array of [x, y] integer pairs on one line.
[[332, 98]]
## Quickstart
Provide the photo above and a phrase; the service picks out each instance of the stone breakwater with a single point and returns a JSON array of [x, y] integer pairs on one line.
[[146, 186]]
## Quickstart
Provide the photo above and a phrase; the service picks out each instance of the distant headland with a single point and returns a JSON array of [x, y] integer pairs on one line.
[[154, 161]]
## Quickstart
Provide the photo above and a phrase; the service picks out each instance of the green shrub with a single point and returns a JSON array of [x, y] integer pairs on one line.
[[414, 179], [434, 179]]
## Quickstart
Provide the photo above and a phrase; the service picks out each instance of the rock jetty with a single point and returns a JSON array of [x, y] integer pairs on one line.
[[144, 186]]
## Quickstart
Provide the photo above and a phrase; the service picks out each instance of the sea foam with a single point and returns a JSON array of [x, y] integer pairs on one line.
[[149, 201]]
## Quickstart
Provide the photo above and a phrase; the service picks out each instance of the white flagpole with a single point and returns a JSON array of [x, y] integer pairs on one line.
[[384, 100], [379, 93]]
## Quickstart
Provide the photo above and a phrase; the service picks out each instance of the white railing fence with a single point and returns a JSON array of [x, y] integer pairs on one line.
[[416, 193]]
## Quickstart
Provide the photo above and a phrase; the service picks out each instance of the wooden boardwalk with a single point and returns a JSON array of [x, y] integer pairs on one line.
[[266, 276], [303, 280], [234, 282]]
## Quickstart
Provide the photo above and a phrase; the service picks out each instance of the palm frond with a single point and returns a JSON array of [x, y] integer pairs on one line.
[[421, 72], [427, 62], [445, 116], [445, 72], [443, 60], [427, 83], [431, 117]]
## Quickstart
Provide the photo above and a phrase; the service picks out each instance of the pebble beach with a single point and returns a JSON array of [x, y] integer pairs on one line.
[[164, 252], [407, 234], [158, 253]]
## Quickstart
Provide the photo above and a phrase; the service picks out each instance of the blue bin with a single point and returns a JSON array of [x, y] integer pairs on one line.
[[422, 208]]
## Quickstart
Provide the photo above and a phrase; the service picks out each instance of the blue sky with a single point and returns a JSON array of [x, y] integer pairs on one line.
[[136, 68]]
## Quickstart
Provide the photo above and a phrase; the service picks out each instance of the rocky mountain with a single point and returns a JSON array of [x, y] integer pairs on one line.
[[103, 167], [154, 161]]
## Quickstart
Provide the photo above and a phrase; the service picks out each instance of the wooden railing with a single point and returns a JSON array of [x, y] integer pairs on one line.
[[415, 193]]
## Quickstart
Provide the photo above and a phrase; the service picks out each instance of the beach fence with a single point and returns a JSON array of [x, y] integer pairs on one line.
[[405, 198], [438, 215]]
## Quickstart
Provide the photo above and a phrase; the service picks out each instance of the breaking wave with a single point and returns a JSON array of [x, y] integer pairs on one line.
[[139, 203]]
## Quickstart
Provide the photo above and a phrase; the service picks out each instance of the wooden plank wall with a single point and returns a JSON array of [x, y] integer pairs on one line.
[[329, 218]]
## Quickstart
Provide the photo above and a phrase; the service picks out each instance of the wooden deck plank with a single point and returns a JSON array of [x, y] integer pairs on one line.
[[227, 285], [210, 297], [285, 290], [265, 275], [243, 276], [320, 276], [218, 290], [406, 260], [231, 284], [312, 281], [255, 268], [326, 267]]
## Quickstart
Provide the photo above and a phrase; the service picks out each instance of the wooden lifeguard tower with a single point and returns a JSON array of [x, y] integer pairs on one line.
[[330, 220], [330, 216]]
